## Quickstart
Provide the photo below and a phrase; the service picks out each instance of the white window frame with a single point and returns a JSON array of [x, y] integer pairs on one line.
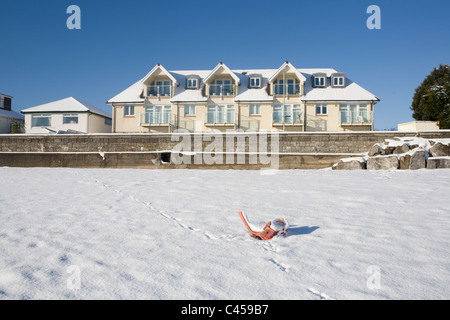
[[128, 111], [255, 82], [360, 108], [189, 110], [255, 109], [340, 81], [322, 106], [321, 83], [191, 83], [70, 115], [43, 115]]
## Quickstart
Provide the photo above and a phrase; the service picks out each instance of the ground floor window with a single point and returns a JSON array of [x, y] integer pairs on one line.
[[220, 114], [354, 113], [288, 113], [41, 120]]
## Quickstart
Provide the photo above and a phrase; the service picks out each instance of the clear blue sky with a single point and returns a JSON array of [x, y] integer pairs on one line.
[[120, 41]]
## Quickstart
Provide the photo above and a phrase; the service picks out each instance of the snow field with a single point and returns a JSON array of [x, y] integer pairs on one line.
[[176, 234]]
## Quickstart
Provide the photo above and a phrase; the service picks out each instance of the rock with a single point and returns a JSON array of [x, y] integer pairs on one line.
[[401, 149], [404, 161], [440, 149], [377, 149], [438, 163], [389, 162], [356, 163], [418, 160]]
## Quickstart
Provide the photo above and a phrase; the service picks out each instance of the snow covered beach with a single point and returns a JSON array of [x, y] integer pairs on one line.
[[175, 234]]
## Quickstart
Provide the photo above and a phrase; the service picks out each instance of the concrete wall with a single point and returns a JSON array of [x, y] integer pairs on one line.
[[295, 150]]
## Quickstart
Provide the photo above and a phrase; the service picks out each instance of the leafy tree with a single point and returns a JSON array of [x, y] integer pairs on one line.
[[431, 101]]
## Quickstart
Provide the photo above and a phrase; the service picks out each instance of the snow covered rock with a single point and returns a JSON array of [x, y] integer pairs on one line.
[[377, 149], [403, 148], [440, 149], [438, 162], [388, 162], [356, 163]]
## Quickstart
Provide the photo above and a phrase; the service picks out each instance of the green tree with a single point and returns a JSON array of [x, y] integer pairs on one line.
[[431, 101]]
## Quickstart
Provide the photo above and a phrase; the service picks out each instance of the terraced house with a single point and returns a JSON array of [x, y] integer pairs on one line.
[[285, 99]]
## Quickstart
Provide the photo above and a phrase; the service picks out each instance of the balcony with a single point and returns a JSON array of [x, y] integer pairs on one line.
[[348, 118], [221, 118], [164, 118], [289, 89], [222, 90], [159, 91], [290, 118]]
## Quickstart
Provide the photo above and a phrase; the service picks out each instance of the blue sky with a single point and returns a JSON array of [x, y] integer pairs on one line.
[[41, 60]]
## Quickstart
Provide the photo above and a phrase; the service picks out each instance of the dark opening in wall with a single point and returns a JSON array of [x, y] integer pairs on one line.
[[165, 157]]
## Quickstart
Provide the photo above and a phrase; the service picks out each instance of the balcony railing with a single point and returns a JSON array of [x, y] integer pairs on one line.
[[157, 118], [355, 118], [288, 89], [222, 89], [220, 117], [249, 123], [159, 90], [292, 118]]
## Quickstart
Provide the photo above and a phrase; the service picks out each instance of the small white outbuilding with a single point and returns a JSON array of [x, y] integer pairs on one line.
[[67, 115]]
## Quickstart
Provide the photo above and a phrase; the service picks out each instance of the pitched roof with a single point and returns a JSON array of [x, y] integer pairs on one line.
[[217, 68], [351, 91], [290, 66], [67, 105], [160, 67], [10, 114]]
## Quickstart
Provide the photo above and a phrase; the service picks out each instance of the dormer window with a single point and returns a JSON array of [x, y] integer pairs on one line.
[[319, 80], [338, 80], [192, 82], [255, 81]]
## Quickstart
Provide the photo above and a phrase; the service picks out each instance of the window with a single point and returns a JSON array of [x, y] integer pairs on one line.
[[108, 122], [255, 82], [255, 109], [70, 118], [292, 113], [321, 109], [158, 115], [354, 113], [290, 86], [159, 88], [221, 87], [338, 81], [128, 111], [189, 110], [41, 120], [220, 114], [192, 83], [319, 81]]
